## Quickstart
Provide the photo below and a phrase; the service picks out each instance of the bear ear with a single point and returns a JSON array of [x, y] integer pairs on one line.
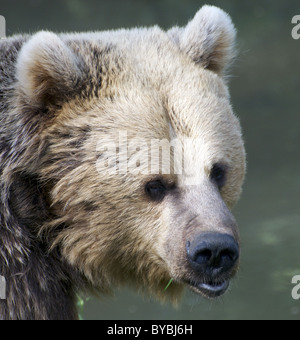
[[209, 39], [47, 70]]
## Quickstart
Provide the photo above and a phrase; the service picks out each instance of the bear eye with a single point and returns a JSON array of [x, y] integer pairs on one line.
[[218, 174], [156, 190]]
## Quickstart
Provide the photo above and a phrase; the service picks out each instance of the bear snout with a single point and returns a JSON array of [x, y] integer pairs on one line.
[[212, 253], [213, 257]]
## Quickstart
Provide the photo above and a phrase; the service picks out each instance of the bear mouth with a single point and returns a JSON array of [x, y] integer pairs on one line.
[[210, 289]]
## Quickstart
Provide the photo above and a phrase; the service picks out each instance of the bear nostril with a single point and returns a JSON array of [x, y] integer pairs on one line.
[[203, 256], [228, 255]]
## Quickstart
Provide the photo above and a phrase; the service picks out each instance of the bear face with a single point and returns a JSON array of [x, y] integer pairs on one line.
[[96, 110]]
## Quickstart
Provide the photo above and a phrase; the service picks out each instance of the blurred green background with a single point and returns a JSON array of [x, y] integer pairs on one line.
[[265, 86]]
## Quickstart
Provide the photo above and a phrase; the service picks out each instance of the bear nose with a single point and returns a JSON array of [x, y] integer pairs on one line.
[[212, 253]]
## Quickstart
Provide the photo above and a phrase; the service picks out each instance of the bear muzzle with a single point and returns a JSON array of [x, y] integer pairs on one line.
[[212, 258]]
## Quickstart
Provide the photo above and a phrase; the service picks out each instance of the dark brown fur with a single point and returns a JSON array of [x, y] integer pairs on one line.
[[39, 283]]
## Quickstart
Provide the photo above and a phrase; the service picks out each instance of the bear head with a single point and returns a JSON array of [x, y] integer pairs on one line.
[[134, 153]]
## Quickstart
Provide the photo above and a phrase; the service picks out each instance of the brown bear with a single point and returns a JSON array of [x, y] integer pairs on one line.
[[89, 197]]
